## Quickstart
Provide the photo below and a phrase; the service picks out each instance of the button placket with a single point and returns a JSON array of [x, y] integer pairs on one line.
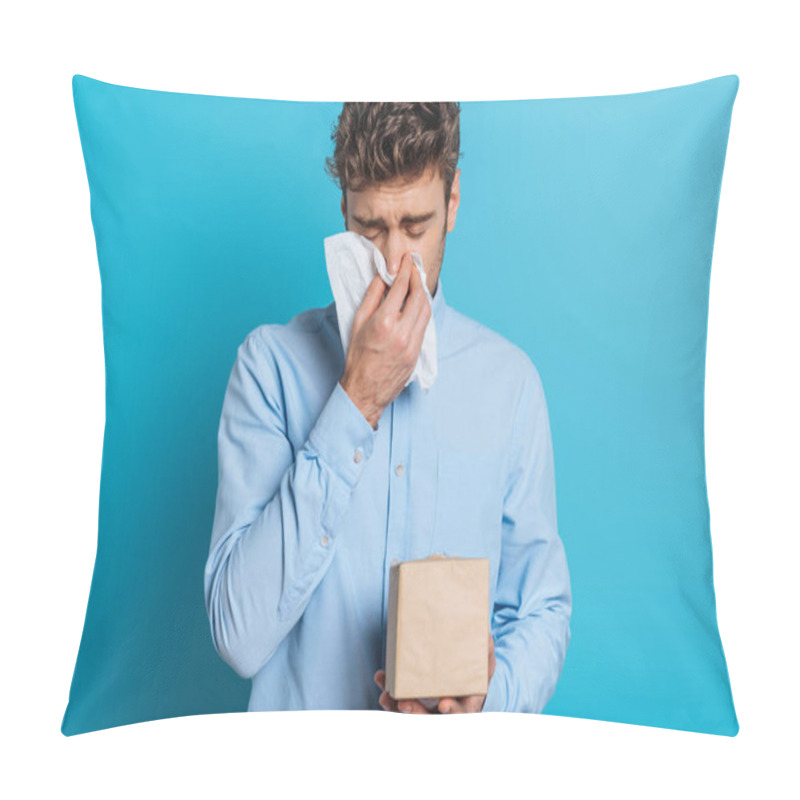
[[397, 519]]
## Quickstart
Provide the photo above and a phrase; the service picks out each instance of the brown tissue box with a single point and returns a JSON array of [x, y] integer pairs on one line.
[[437, 633]]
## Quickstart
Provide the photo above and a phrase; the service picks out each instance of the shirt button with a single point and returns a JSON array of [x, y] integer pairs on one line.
[[359, 454], [395, 561], [398, 469], [324, 541]]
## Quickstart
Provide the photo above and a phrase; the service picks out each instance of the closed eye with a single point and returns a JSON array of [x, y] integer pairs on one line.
[[411, 236]]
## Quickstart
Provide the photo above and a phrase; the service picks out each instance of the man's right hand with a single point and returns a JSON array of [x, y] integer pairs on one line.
[[386, 340]]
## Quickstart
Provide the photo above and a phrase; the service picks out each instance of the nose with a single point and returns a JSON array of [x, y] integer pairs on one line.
[[393, 252]]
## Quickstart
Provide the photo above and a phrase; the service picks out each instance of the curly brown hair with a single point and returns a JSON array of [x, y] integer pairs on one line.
[[376, 142]]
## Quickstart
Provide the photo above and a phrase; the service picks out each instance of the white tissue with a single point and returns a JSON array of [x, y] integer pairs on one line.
[[352, 261]]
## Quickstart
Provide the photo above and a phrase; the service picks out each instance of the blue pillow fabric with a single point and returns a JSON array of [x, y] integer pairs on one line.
[[585, 236]]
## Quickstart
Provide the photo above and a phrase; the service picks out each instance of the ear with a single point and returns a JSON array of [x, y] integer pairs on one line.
[[455, 198]]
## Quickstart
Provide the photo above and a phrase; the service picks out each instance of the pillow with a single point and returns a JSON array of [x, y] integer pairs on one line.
[[585, 237]]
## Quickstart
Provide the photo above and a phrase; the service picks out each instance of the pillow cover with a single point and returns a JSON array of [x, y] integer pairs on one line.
[[585, 238]]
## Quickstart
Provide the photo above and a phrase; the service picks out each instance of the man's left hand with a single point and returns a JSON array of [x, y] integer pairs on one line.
[[447, 705]]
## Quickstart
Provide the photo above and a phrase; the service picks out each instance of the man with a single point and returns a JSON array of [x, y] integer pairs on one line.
[[331, 469]]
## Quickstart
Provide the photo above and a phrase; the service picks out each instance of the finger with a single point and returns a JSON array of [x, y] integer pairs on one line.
[[386, 702], [417, 325], [472, 703], [390, 704], [399, 289], [469, 704], [411, 707], [416, 300], [370, 302], [449, 705]]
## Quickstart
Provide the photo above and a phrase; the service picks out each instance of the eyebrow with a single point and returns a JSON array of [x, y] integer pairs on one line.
[[408, 219]]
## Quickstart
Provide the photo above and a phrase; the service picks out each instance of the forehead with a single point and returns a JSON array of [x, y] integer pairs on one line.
[[399, 196]]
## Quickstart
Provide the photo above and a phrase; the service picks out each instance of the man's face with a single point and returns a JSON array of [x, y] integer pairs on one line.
[[401, 216]]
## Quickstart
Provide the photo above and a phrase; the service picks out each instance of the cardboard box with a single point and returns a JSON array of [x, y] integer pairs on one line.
[[437, 635]]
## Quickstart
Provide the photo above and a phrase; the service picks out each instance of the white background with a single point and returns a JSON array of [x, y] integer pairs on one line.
[[53, 387]]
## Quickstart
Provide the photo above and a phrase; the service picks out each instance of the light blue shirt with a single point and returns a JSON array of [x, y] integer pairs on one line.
[[314, 505]]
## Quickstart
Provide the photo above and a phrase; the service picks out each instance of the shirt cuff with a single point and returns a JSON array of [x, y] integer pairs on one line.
[[342, 436]]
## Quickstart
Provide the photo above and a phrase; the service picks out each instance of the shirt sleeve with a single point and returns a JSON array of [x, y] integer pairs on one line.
[[273, 534], [533, 602]]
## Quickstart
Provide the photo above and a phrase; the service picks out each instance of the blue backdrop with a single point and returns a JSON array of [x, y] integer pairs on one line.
[[585, 235]]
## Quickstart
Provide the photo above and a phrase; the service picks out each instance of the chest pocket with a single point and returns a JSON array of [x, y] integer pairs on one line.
[[469, 503]]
